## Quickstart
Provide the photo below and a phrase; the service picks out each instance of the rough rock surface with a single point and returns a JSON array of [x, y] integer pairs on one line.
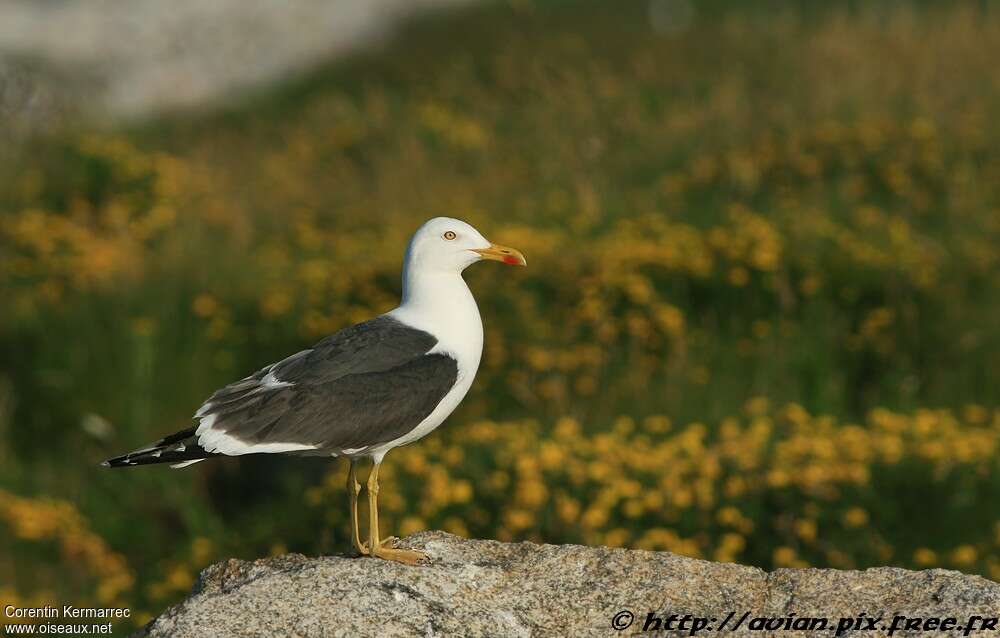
[[488, 588]]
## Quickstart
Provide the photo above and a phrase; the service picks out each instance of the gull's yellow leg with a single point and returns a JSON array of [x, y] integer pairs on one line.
[[353, 489], [384, 549]]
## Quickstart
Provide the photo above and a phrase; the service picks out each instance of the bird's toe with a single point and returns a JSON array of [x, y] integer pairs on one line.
[[390, 542], [405, 556]]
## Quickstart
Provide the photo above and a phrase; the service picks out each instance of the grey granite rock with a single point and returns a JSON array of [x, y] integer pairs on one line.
[[488, 588]]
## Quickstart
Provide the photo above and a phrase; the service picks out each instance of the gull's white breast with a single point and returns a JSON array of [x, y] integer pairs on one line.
[[452, 316]]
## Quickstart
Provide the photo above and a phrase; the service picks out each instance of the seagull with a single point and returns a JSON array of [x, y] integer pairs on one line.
[[360, 392]]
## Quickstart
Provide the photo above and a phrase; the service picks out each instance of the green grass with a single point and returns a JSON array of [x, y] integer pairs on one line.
[[811, 187]]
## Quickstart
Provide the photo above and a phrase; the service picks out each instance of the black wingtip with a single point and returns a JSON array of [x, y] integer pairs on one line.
[[176, 448]]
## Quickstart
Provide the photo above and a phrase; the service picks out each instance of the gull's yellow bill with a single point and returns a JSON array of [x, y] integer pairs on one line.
[[506, 254]]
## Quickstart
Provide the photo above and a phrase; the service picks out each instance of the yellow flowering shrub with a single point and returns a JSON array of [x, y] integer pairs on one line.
[[782, 488], [84, 558]]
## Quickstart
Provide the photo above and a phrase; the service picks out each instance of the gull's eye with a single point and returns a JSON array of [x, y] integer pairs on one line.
[[449, 235]]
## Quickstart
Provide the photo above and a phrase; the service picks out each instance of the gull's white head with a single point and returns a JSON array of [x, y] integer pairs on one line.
[[446, 245]]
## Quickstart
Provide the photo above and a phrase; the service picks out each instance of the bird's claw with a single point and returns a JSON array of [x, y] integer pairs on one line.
[[405, 556]]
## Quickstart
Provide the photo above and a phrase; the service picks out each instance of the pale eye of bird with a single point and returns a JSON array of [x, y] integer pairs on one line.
[[449, 235]]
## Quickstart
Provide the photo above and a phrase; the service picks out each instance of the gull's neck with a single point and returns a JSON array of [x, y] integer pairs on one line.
[[442, 304]]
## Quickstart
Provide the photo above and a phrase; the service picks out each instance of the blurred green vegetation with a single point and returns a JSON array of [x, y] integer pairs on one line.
[[759, 323]]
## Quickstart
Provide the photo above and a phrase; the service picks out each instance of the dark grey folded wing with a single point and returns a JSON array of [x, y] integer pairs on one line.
[[365, 385], [353, 412]]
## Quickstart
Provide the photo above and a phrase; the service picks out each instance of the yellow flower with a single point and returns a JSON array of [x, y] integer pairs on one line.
[[201, 549], [924, 557], [617, 537], [455, 525], [594, 517], [728, 515], [729, 548], [739, 276], [275, 304], [204, 305], [806, 529], [855, 517], [461, 491], [784, 556], [568, 509], [411, 525], [756, 406], [964, 555], [518, 519]]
